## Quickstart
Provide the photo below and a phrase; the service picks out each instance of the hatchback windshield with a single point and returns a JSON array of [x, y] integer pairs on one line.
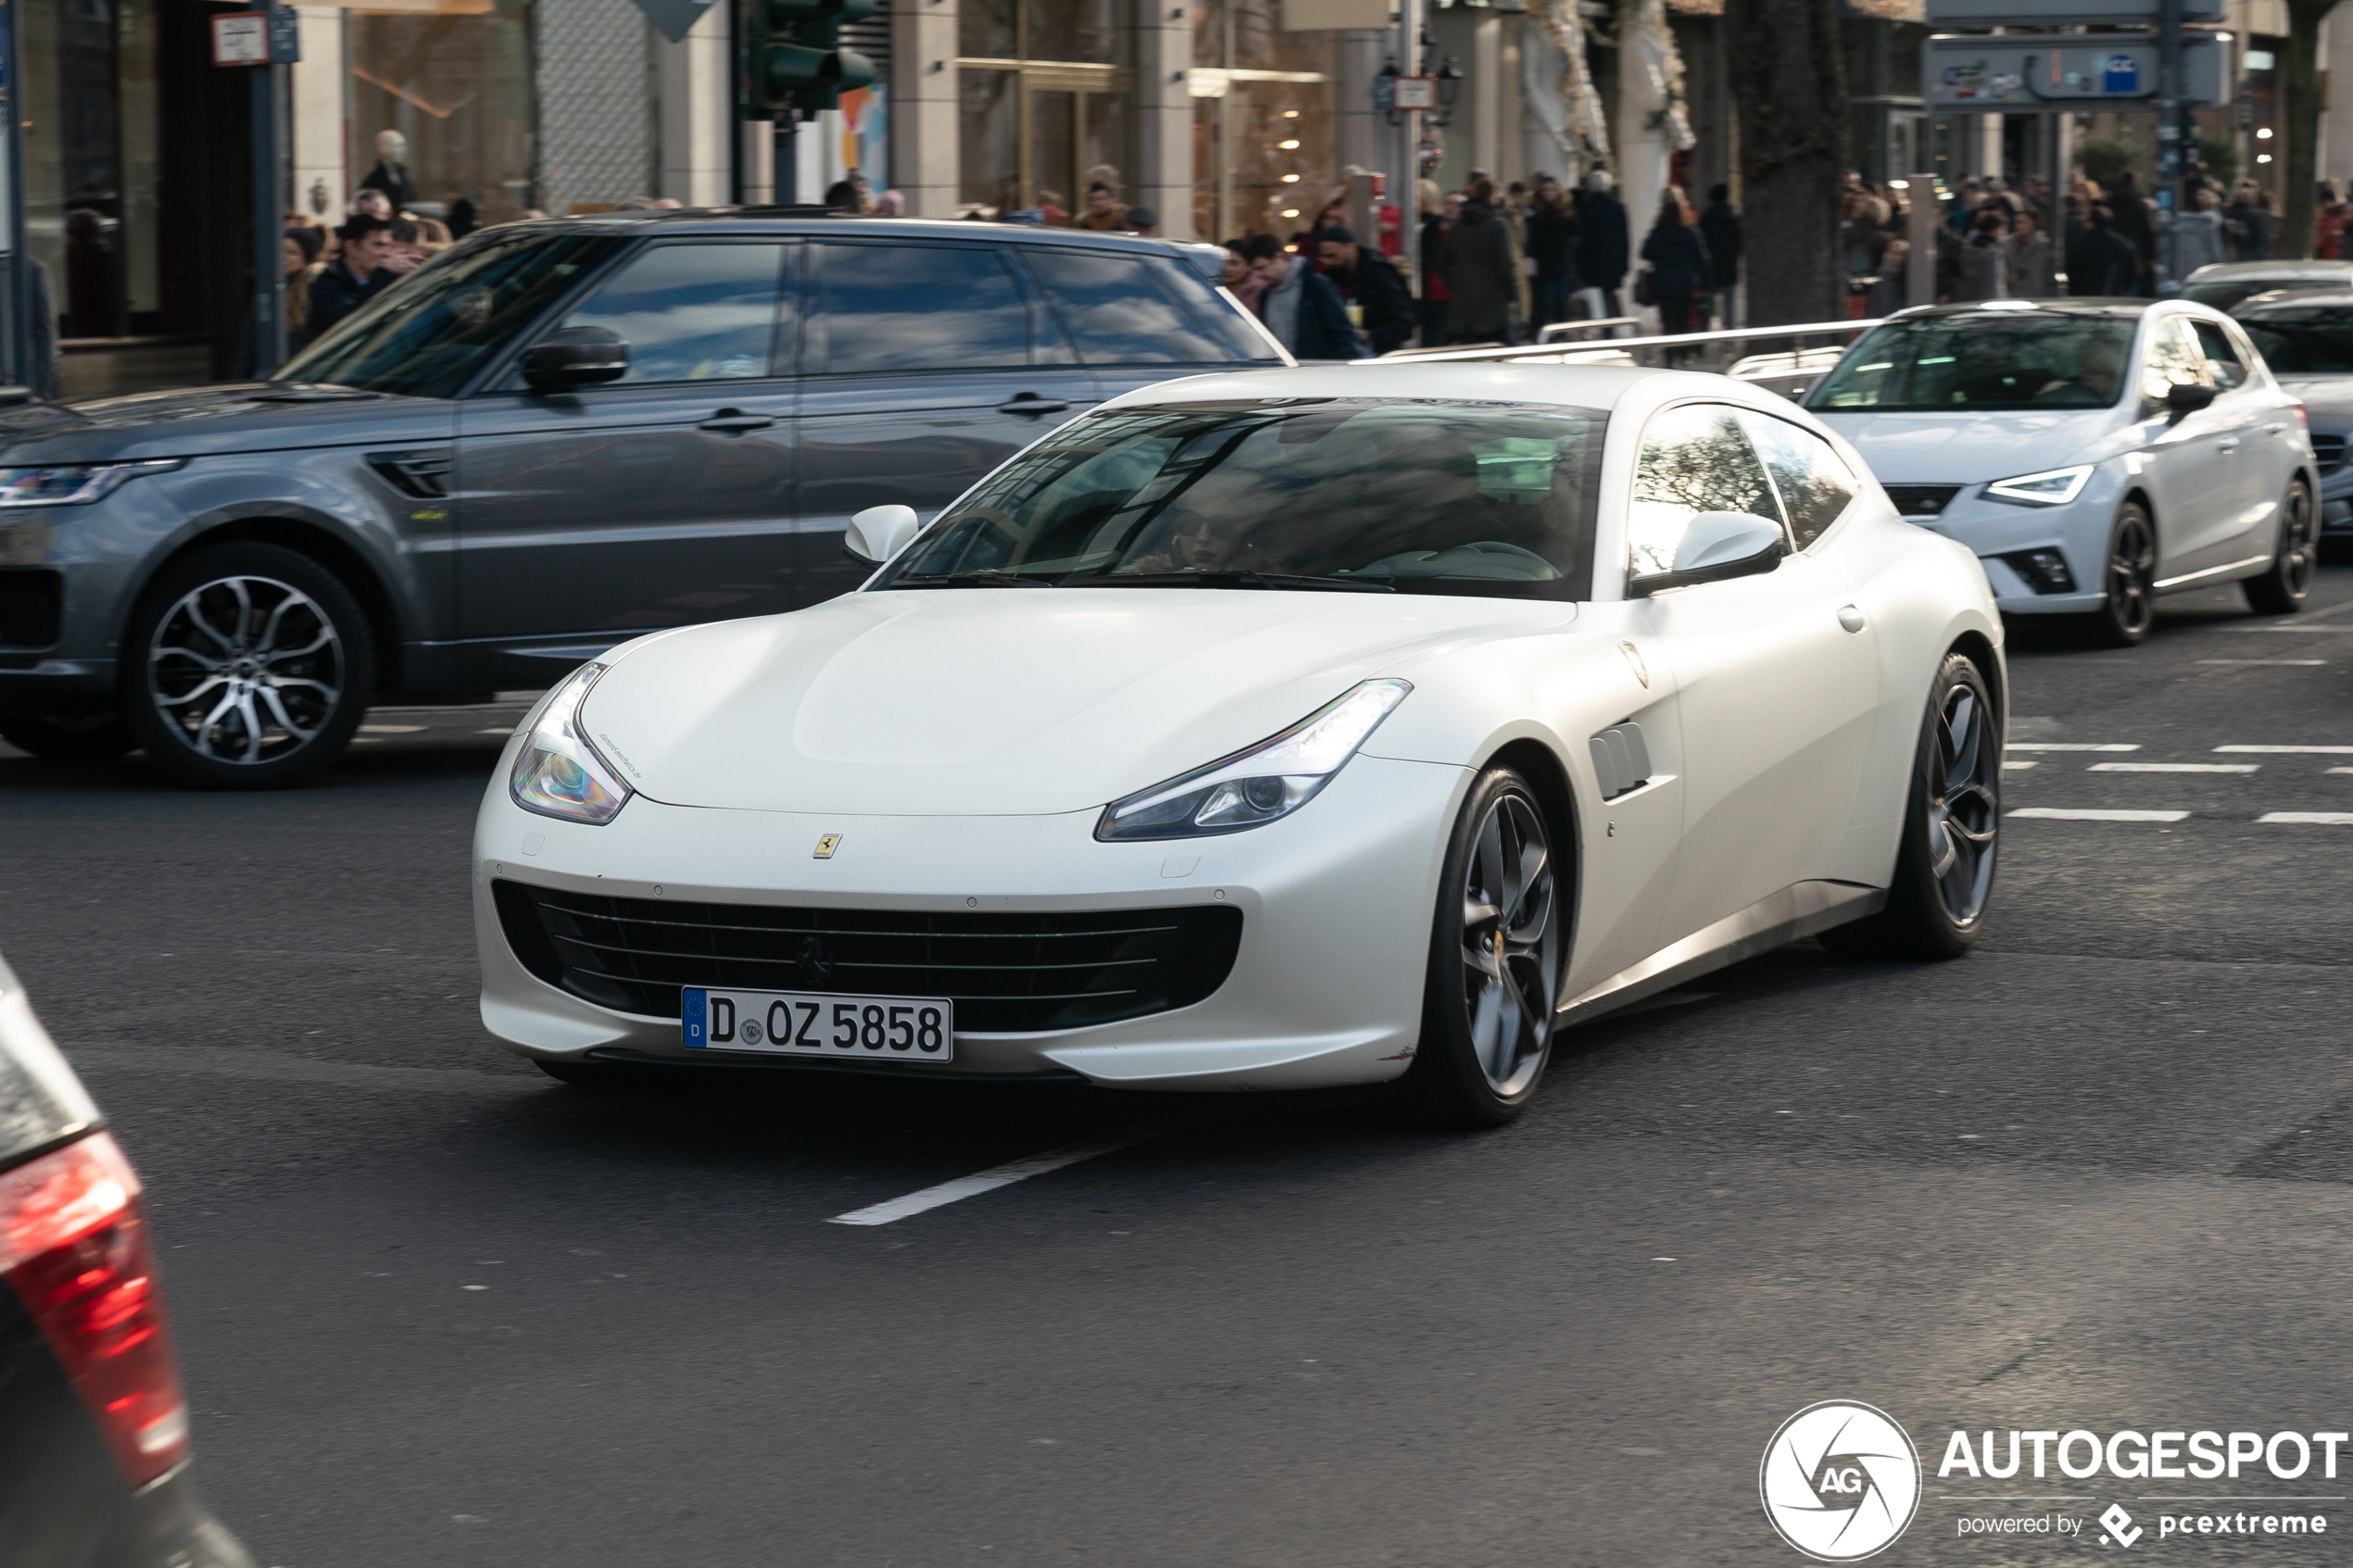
[[1345, 493], [2314, 342], [423, 337], [2010, 360]]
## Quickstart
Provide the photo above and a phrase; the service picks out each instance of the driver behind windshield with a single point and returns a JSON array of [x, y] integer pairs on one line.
[[2099, 374]]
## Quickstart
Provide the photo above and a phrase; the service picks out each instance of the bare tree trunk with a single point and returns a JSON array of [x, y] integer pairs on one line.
[[1789, 77], [2303, 19]]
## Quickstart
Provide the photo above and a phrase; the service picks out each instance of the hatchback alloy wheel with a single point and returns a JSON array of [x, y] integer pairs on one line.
[[2131, 577]]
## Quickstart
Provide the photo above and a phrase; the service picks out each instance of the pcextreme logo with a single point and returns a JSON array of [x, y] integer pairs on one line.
[[1840, 1481]]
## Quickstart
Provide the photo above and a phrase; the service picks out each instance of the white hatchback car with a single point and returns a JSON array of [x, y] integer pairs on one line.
[[2094, 454], [1293, 730]]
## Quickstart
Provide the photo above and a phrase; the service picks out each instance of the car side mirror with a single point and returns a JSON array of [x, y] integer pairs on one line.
[[879, 532], [1716, 546], [575, 357], [2187, 397]]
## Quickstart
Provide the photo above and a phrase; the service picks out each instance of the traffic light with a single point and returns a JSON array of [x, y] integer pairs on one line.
[[802, 65]]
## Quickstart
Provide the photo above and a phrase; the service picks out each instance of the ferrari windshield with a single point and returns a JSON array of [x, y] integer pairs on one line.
[[2316, 341], [1984, 359], [1363, 493]]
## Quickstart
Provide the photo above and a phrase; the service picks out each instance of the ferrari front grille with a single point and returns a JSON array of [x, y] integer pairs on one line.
[[1007, 973]]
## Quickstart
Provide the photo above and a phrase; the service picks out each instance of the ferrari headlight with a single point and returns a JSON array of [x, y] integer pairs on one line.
[[2055, 488], [1271, 779], [558, 772], [74, 485]]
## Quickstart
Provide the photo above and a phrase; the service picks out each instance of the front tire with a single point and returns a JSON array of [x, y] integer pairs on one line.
[[1952, 822], [247, 666], [2128, 578], [1494, 960], [86, 737], [2282, 588]]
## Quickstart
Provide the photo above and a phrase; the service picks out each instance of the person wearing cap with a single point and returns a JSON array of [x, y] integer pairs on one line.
[[1366, 279]]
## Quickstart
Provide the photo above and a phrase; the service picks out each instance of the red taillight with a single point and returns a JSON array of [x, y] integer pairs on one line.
[[2304, 416], [73, 1244]]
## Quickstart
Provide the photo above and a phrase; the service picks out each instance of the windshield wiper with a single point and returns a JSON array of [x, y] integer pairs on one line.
[[1217, 579], [971, 580]]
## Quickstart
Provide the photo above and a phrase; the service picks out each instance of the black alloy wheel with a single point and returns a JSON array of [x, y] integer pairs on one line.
[[1952, 827], [2282, 588], [247, 666], [1496, 947], [2129, 580], [67, 737]]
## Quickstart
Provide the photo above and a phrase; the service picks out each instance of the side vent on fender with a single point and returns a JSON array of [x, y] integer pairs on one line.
[[1621, 762]]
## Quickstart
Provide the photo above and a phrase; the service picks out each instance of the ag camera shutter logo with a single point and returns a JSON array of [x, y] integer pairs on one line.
[[1840, 1481]]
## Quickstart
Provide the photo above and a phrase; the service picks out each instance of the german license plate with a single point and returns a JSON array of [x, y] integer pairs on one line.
[[821, 1023]]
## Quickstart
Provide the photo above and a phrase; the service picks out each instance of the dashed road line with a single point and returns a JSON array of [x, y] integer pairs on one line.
[[2172, 767], [2063, 746], [2010, 766], [2077, 814], [2303, 662], [2293, 750], [986, 1181], [2317, 819]]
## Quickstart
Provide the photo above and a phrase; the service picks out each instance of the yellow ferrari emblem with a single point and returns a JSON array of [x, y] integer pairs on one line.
[[826, 845], [1634, 657]]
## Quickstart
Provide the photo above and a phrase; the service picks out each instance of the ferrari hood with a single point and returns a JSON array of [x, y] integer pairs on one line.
[[1974, 448], [1001, 701]]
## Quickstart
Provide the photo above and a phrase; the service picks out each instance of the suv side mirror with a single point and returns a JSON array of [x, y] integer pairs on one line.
[[2187, 397], [575, 357], [1716, 546], [879, 532]]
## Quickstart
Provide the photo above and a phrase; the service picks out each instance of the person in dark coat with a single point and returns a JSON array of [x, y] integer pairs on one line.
[[356, 276], [1719, 230], [1603, 245], [1366, 279], [2102, 264], [1481, 284], [1552, 244], [2129, 221], [1681, 267], [1303, 309], [1436, 226], [2248, 225]]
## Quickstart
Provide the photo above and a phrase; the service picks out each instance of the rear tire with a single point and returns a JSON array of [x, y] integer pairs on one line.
[[1495, 949], [85, 737], [247, 666], [1952, 822], [2128, 578], [2285, 583]]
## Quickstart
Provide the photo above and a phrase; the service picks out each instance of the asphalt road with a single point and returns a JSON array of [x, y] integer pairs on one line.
[[434, 1308]]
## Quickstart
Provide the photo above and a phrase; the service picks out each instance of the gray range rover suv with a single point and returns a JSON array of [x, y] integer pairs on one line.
[[551, 438]]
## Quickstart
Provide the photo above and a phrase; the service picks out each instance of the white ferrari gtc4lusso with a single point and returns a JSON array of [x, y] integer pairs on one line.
[[1282, 729]]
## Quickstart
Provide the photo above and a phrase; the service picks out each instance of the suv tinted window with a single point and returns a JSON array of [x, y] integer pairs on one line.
[[913, 307], [1694, 459], [1219, 318], [1116, 311], [426, 337], [692, 313]]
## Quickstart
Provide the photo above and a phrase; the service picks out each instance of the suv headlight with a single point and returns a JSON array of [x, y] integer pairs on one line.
[[74, 485], [2055, 487], [1271, 779], [558, 772]]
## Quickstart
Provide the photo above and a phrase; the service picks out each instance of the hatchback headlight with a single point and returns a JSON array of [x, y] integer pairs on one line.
[[1271, 779], [74, 485], [2055, 488], [558, 772]]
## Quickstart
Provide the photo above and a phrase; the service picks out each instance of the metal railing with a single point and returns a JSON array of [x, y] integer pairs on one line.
[[1789, 370]]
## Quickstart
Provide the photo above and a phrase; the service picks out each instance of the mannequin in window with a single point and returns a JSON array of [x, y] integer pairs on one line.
[[391, 173]]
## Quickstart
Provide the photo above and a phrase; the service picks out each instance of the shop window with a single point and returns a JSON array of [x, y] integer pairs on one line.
[[1048, 92], [456, 86]]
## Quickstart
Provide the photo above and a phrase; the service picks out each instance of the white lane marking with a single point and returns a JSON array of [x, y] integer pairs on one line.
[[2320, 819], [2172, 767], [2341, 770], [2293, 750], [2062, 746], [2288, 628], [984, 1181], [2072, 814], [2019, 767], [390, 729], [501, 730], [2297, 661]]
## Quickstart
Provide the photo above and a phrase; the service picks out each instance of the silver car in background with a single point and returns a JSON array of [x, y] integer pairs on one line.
[[2307, 340], [2095, 453]]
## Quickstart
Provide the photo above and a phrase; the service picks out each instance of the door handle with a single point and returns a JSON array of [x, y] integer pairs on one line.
[[2228, 444], [1852, 618], [1031, 403], [2273, 430], [734, 421]]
